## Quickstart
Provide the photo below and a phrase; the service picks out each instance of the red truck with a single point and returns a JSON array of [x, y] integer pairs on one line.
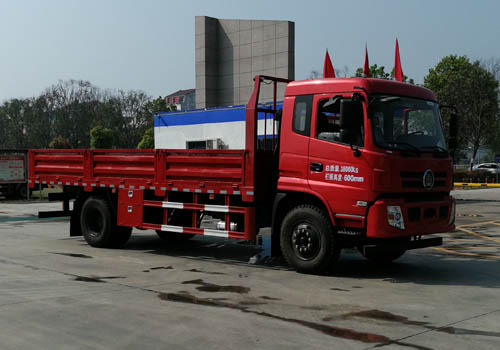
[[354, 162], [13, 182]]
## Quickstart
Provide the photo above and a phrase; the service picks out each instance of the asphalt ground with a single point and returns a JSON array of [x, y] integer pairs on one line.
[[56, 292]]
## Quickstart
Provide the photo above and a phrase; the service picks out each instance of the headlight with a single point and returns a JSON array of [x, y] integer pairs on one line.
[[395, 217], [452, 213]]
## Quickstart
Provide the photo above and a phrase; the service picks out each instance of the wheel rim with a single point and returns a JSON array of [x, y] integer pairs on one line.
[[95, 222], [306, 242]]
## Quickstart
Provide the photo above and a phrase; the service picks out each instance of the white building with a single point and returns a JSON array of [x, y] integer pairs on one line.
[[215, 128]]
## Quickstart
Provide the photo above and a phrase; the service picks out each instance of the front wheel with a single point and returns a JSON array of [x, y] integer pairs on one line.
[[307, 240]]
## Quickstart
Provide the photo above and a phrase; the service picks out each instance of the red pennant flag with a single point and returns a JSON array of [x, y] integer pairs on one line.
[[328, 71], [366, 67], [398, 70]]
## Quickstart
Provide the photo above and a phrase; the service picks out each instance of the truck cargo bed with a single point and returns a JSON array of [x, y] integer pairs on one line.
[[201, 171]]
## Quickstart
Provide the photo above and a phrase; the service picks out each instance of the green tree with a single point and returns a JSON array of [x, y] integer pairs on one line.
[[73, 105], [59, 142], [39, 124], [13, 116], [473, 91], [101, 137], [379, 72], [492, 65], [375, 72], [151, 108], [158, 105], [4, 129], [148, 140], [493, 142], [70, 110], [134, 117]]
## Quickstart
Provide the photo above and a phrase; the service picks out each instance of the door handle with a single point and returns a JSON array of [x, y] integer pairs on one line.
[[318, 167]]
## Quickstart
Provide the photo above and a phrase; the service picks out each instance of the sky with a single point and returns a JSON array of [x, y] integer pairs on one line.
[[148, 45]]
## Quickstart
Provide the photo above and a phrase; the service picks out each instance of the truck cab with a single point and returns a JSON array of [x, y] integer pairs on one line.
[[371, 155]]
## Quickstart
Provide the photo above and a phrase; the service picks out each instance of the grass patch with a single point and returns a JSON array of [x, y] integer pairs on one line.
[[44, 194]]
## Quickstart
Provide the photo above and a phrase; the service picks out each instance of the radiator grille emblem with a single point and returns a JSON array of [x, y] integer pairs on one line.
[[428, 179]]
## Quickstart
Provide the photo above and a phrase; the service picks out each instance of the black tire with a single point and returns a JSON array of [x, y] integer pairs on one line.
[[96, 221], [121, 235], [382, 258], [22, 191], [10, 191], [98, 225], [307, 240]]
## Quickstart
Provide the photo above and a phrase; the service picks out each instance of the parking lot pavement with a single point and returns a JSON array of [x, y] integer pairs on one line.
[[477, 225], [57, 292]]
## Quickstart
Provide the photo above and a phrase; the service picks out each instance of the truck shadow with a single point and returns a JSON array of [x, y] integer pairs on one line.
[[218, 250], [424, 267]]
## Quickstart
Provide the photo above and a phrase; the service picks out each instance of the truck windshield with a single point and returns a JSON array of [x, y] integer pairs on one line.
[[409, 124]]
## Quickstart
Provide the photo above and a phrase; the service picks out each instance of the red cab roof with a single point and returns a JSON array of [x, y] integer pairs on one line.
[[373, 86]]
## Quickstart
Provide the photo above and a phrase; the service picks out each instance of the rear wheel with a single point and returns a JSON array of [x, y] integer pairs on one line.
[[22, 191], [307, 240], [121, 235], [98, 225]]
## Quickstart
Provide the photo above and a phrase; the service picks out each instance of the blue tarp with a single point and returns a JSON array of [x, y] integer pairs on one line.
[[207, 116]]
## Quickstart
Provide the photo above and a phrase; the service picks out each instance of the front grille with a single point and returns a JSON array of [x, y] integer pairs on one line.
[[414, 179], [443, 212], [414, 214], [430, 213], [415, 197]]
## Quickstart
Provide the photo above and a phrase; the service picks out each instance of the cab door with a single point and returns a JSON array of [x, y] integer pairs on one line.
[[337, 172], [294, 143]]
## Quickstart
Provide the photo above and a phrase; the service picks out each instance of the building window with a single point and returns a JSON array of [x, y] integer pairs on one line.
[[196, 145]]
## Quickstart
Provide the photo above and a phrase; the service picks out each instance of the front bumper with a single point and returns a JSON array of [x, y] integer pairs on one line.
[[420, 218]]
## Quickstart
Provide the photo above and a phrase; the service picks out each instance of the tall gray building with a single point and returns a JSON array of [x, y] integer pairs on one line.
[[230, 52]]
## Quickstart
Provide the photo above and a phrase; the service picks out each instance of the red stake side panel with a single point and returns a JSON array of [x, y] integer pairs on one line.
[[131, 206], [199, 171]]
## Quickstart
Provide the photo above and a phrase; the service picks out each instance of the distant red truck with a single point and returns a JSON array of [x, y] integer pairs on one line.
[[354, 162], [13, 173]]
